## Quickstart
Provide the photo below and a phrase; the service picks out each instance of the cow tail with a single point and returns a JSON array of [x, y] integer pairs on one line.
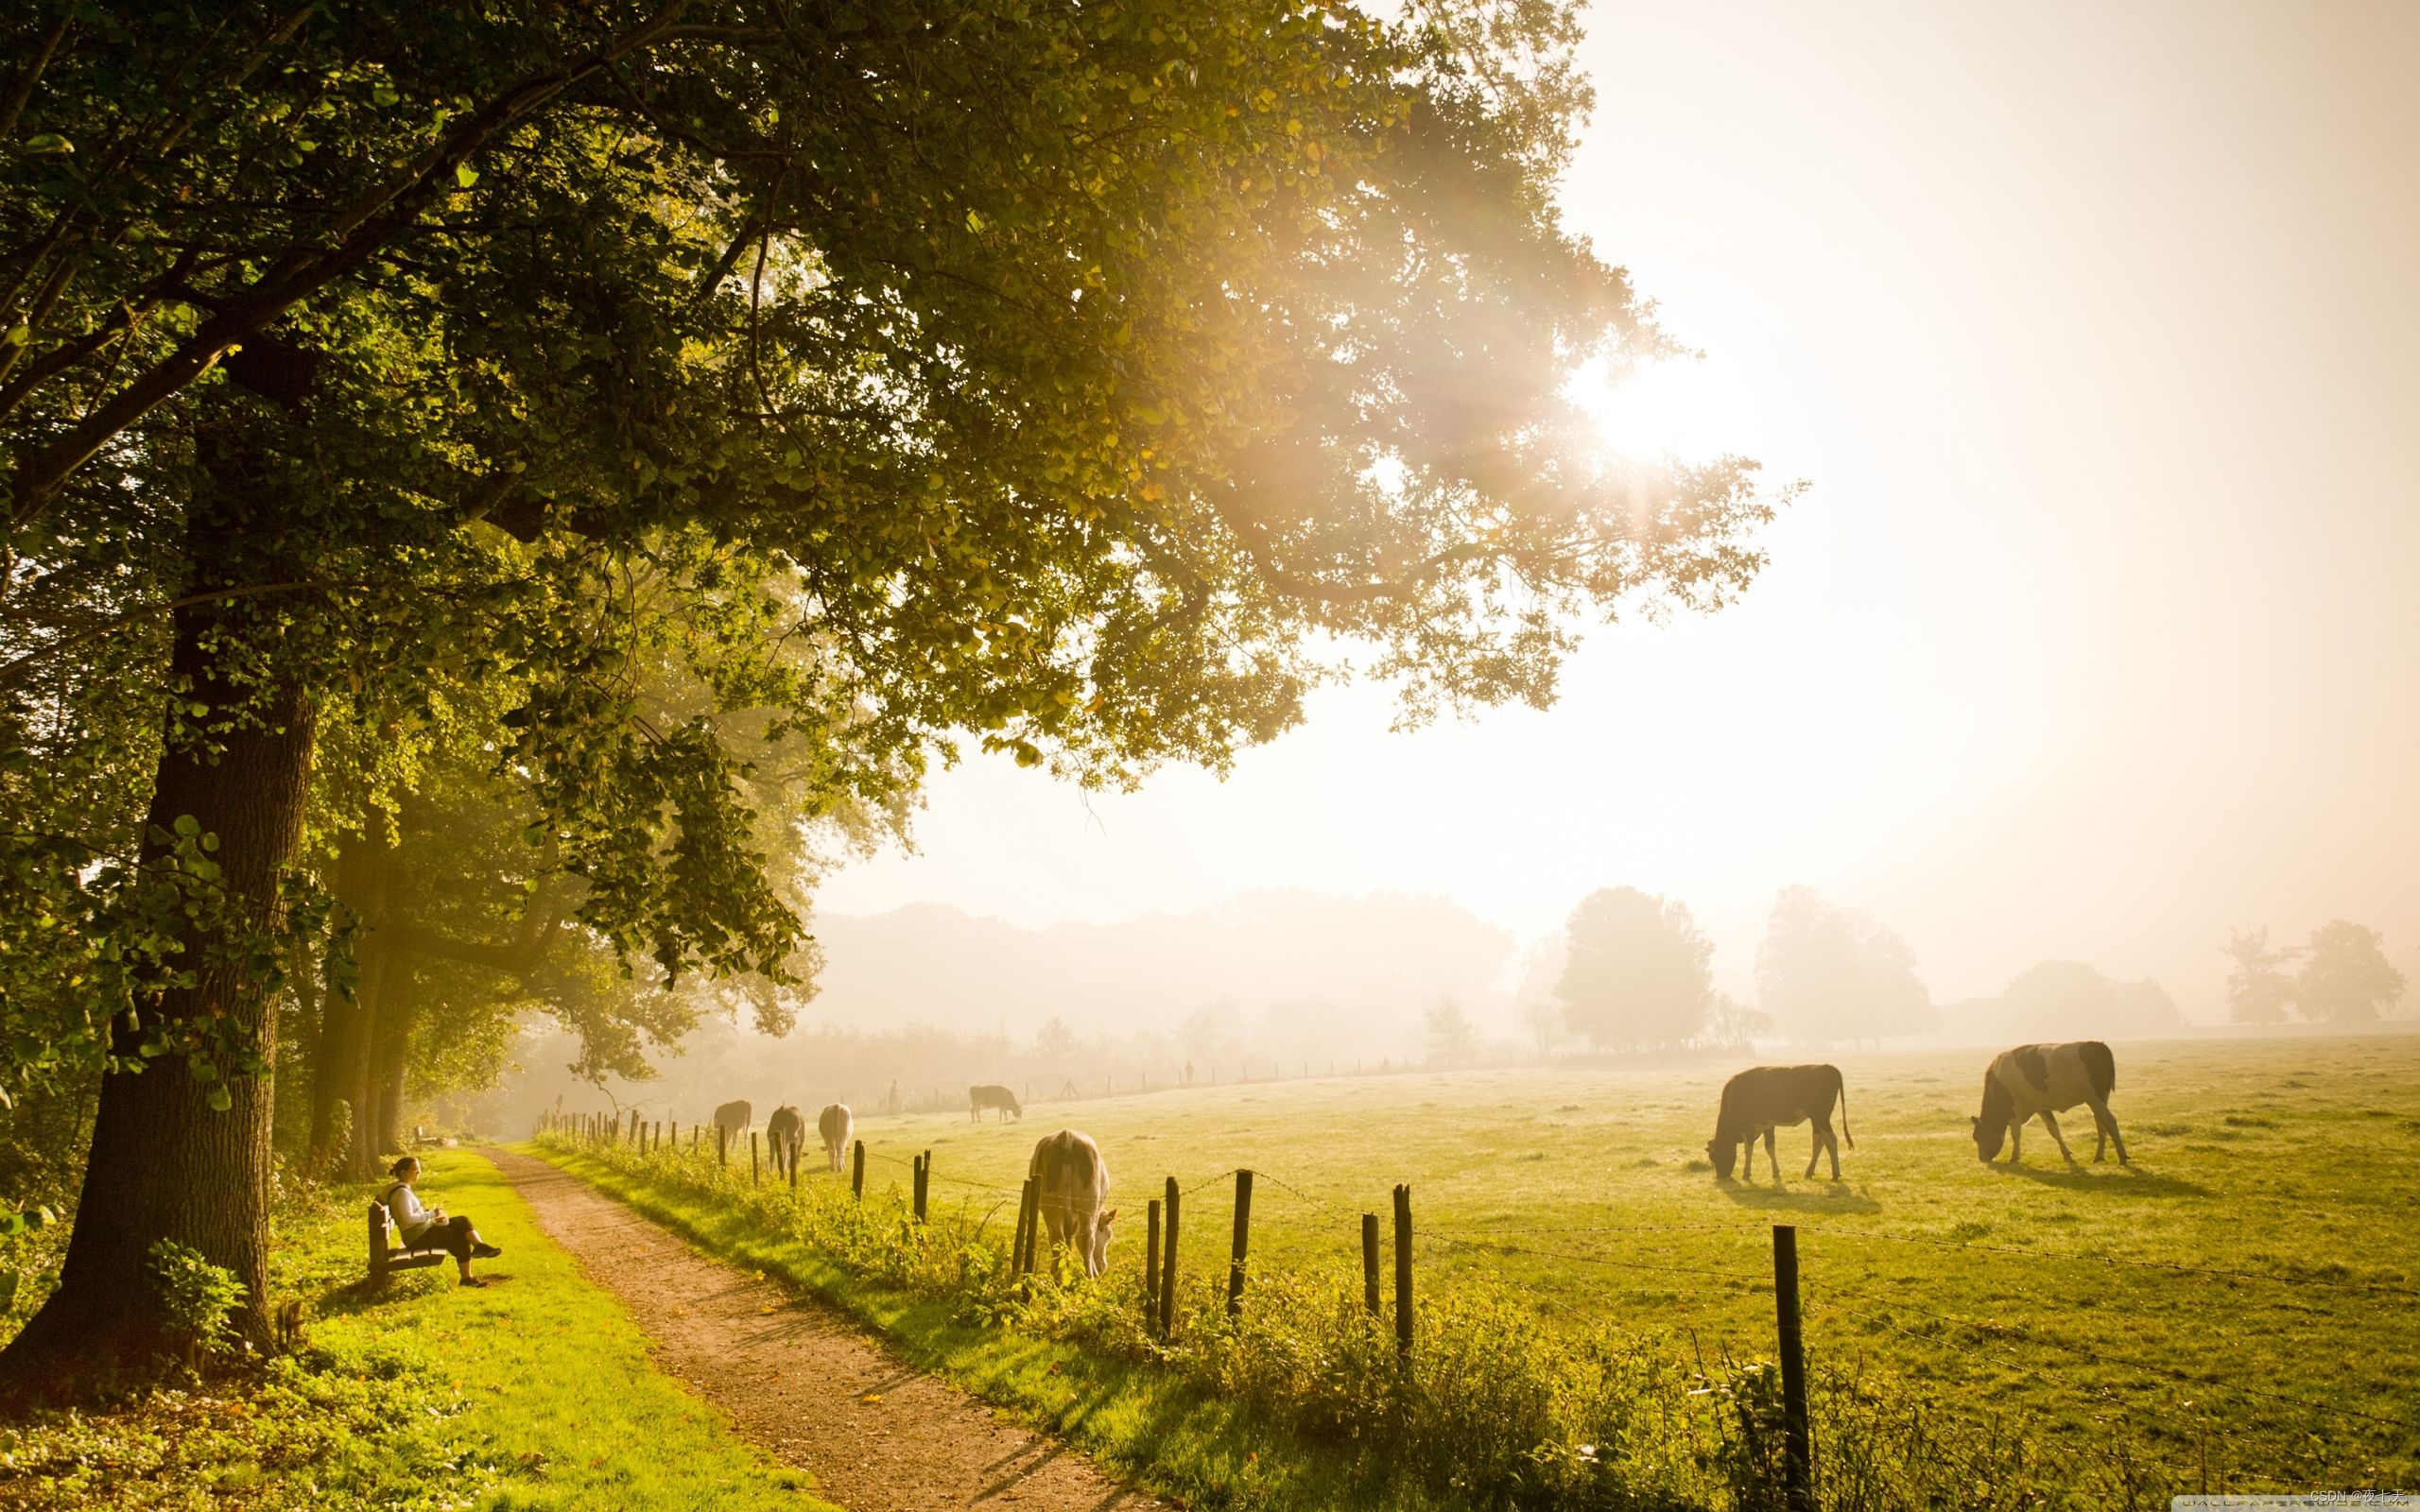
[[1841, 1084], [2100, 1066]]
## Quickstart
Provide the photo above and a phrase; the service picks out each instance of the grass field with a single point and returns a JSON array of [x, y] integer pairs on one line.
[[534, 1392], [2291, 1164]]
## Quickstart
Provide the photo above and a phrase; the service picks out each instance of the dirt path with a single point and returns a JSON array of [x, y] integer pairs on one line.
[[808, 1385]]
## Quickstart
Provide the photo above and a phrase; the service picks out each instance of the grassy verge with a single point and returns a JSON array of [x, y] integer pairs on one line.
[[535, 1392], [1302, 1402]]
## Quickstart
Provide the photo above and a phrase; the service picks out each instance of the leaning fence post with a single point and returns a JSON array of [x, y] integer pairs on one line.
[[1798, 1465], [1370, 1263], [1244, 1242], [1167, 1265], [857, 1171], [1152, 1263], [1402, 1270]]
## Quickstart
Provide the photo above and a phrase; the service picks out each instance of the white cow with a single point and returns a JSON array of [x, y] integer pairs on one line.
[[1070, 1183], [836, 1127], [2036, 1081]]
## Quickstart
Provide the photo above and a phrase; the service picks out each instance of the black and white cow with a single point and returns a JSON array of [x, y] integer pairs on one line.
[[2037, 1081]]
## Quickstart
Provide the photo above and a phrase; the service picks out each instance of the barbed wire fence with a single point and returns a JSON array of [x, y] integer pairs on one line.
[[2023, 1350]]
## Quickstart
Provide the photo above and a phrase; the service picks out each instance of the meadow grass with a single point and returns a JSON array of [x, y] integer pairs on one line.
[[533, 1392], [1999, 1294]]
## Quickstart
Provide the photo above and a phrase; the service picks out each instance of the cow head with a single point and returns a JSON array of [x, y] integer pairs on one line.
[[1990, 1126], [1987, 1140], [1100, 1257], [1723, 1153]]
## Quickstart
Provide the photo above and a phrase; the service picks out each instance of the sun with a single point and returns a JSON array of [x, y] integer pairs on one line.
[[1688, 409]]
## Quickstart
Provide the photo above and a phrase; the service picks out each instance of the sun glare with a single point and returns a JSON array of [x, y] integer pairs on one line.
[[1686, 407]]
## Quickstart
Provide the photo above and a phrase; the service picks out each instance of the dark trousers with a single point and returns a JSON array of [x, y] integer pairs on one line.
[[453, 1236]]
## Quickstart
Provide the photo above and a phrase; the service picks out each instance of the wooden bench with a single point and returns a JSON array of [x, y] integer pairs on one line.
[[386, 1255]]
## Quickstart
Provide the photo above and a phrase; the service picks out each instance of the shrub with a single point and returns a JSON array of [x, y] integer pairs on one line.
[[201, 1298]]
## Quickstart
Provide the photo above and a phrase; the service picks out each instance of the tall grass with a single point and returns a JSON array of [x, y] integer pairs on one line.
[[1491, 1408]]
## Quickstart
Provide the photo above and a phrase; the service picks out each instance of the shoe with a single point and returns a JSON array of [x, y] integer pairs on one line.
[[473, 1281], [484, 1251]]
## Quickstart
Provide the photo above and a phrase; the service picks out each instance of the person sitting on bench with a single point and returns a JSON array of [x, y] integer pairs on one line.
[[426, 1228]]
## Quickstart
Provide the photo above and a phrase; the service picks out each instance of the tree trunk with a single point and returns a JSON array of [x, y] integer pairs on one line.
[[391, 1047], [164, 1164], [350, 1025]]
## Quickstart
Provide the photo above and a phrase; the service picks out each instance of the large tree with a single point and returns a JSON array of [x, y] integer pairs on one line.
[[1639, 972], [2346, 978], [1087, 379], [2258, 989], [1826, 973]]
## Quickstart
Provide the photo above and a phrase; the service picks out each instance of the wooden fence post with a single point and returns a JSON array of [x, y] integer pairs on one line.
[[923, 1181], [1402, 1270], [1168, 1263], [1370, 1263], [676, 1136], [857, 1171], [722, 1144], [1024, 1219], [794, 1144], [656, 1146], [1032, 1251], [1798, 1466], [1151, 1263], [752, 1157], [1242, 1243]]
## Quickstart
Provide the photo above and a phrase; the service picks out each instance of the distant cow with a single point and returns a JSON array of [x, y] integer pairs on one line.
[[1070, 1183], [838, 1128], [980, 1098], [785, 1131], [734, 1118], [2034, 1081], [1763, 1098]]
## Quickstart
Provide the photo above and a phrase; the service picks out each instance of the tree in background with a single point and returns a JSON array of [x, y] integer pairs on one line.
[[2258, 989], [2069, 1000], [1640, 972], [1826, 973], [1734, 1025], [2345, 976], [1452, 1039]]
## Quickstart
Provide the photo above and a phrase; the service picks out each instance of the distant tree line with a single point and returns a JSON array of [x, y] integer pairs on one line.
[[2340, 975]]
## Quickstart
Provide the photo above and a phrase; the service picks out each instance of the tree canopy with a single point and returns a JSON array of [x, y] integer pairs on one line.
[[1639, 972], [1825, 973], [628, 400], [2346, 977]]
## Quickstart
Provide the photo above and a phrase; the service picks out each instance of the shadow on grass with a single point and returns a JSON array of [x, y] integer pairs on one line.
[[2107, 1181], [1836, 1197]]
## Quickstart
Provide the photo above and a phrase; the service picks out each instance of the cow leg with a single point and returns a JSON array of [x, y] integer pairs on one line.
[[2050, 1121], [1825, 1142], [2106, 1122], [1815, 1132], [2016, 1141], [1770, 1158]]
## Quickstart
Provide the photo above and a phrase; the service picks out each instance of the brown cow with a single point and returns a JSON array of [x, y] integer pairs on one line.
[[980, 1098], [1762, 1098], [2035, 1081], [1070, 1184]]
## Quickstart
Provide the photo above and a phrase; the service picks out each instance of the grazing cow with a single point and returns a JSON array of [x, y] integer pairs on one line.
[[2039, 1080], [980, 1098], [785, 1131], [838, 1128], [1763, 1098], [1070, 1183], [734, 1118]]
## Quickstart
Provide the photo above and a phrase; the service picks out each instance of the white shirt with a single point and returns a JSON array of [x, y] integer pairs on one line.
[[411, 1219]]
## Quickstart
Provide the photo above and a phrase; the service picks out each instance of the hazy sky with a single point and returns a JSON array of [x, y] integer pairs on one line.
[[2095, 330]]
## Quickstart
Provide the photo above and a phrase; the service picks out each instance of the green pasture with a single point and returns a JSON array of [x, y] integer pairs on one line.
[[2240, 1297], [534, 1392]]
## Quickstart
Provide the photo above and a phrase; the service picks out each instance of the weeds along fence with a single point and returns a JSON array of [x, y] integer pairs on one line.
[[1488, 1389]]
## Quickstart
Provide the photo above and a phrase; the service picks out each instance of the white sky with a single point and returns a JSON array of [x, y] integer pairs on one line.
[[2095, 330]]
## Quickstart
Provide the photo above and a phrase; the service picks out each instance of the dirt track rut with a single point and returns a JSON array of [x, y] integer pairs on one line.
[[804, 1382]]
